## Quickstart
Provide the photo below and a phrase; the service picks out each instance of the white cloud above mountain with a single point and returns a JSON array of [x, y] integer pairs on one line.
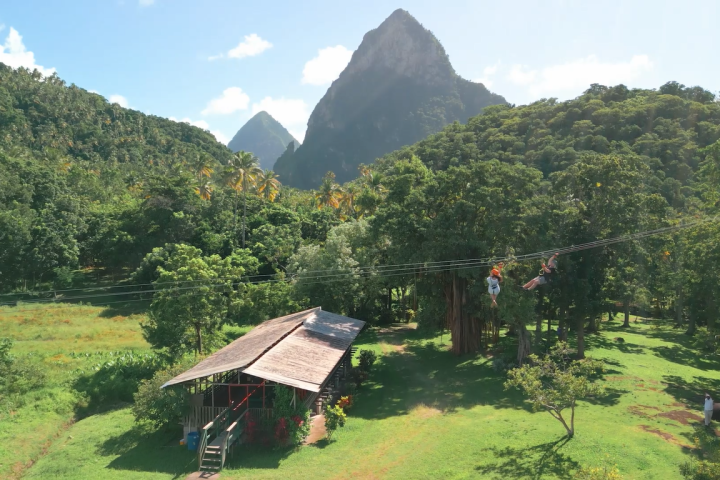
[[251, 46], [488, 73], [326, 66], [219, 136], [291, 113], [119, 99], [232, 100], [571, 78], [14, 54]]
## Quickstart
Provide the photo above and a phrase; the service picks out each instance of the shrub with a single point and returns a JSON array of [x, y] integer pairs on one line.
[[598, 473], [345, 402], [117, 380], [367, 359], [161, 406], [292, 422], [17, 376], [702, 470], [358, 376], [334, 418]]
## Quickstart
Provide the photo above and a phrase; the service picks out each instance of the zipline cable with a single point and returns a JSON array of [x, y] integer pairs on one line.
[[380, 270]]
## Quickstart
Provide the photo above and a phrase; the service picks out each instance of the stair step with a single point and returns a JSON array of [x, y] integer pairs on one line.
[[209, 468]]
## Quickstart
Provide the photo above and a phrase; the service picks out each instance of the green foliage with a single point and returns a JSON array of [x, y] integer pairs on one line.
[[555, 382], [366, 360], [597, 473], [116, 380], [193, 294], [292, 421], [335, 418], [17, 376], [161, 407]]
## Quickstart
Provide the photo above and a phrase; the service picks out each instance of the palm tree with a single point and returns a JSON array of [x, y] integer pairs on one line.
[[204, 189], [347, 201], [202, 166], [268, 185], [329, 193], [241, 174]]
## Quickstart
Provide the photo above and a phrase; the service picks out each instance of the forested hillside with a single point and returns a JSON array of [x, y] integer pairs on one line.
[[85, 183]]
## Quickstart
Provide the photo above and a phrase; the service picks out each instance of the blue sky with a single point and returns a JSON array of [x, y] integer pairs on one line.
[[215, 63]]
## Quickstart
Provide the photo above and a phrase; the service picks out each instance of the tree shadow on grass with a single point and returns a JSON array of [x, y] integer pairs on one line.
[[123, 308], [256, 457], [140, 449], [685, 356], [530, 463], [692, 392], [424, 373], [605, 343]]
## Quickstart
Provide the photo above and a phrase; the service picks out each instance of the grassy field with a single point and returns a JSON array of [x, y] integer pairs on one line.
[[428, 414]]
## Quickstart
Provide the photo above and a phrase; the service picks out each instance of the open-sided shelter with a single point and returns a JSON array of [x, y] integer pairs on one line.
[[307, 351]]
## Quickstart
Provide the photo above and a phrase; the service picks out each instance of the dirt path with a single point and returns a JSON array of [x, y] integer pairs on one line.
[[317, 429]]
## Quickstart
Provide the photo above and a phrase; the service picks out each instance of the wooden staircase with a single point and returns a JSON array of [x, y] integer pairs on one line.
[[218, 439]]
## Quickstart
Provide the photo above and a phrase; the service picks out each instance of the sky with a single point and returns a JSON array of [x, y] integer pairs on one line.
[[215, 63]]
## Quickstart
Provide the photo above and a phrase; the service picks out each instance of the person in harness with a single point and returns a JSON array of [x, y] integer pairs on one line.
[[546, 274], [494, 284]]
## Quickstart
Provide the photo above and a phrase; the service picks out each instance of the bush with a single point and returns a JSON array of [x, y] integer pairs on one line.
[[345, 402], [598, 473], [358, 376], [702, 470], [292, 423], [161, 406], [367, 359], [334, 418], [17, 376], [117, 380]]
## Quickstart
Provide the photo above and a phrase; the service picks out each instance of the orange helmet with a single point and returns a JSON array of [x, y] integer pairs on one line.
[[495, 272]]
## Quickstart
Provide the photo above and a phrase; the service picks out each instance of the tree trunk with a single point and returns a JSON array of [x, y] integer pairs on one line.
[[581, 338], [539, 319], [199, 339], [611, 314], [244, 213], [571, 432], [524, 346], [679, 308], [691, 326], [626, 312], [464, 329], [234, 238]]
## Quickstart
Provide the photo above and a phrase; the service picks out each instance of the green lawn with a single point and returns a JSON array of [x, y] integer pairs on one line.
[[428, 414]]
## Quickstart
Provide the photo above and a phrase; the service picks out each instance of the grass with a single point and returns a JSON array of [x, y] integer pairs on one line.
[[61, 341], [428, 414]]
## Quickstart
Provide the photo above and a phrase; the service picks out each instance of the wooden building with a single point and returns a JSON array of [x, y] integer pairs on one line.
[[308, 351]]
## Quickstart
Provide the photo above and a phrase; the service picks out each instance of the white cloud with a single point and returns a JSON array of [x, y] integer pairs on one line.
[[145, 3], [232, 100], [216, 57], [119, 99], [13, 54], [93, 91], [251, 46], [578, 75], [487, 73], [572, 78], [291, 113], [327, 66], [521, 75], [219, 136]]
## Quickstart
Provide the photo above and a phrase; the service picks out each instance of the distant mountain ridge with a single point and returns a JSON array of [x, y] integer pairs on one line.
[[398, 88], [265, 137]]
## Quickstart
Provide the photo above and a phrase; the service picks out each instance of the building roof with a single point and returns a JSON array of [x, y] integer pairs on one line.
[[299, 350]]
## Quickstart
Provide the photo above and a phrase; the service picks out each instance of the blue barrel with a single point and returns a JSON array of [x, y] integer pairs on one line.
[[192, 440]]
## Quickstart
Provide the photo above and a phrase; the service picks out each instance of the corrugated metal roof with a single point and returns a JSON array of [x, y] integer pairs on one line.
[[307, 356], [299, 350], [246, 349]]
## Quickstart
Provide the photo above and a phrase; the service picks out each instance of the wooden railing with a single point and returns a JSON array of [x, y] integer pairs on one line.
[[260, 412], [212, 430], [232, 434], [198, 417]]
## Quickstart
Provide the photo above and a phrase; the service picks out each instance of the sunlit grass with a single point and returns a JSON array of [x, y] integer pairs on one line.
[[428, 414]]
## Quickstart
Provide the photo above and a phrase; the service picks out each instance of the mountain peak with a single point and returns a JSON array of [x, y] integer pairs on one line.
[[265, 137], [398, 88]]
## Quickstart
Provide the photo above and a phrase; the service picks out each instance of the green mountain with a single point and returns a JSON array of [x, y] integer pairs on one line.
[[265, 137], [398, 88]]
